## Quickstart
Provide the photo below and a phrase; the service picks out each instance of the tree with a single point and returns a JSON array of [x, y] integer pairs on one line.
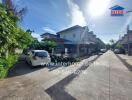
[[112, 41], [120, 47], [13, 9], [7, 29], [11, 36], [35, 44], [48, 45], [44, 45], [108, 46], [113, 44]]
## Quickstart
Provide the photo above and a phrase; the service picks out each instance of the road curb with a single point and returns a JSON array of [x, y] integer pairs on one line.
[[124, 62]]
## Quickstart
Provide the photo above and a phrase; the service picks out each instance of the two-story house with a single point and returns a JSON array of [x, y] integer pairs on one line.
[[82, 40], [126, 41], [78, 34], [76, 41]]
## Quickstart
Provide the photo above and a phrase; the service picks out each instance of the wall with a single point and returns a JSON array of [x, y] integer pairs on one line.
[[77, 35], [72, 35]]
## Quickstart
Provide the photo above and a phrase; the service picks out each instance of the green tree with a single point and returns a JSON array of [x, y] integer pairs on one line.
[[35, 44], [113, 44], [14, 9], [112, 41], [44, 45], [119, 46], [11, 37], [108, 46], [48, 45]]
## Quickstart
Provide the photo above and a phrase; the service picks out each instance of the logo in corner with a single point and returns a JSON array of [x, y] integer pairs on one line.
[[117, 11]]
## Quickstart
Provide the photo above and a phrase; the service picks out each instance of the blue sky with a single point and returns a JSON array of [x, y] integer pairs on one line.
[[55, 15]]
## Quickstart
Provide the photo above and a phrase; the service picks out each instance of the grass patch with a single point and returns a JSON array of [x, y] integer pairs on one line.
[[6, 64]]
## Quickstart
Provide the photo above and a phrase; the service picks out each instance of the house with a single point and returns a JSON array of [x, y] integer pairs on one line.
[[48, 35], [53, 37], [83, 41], [126, 41], [78, 35], [76, 41], [100, 43], [56, 38], [117, 11]]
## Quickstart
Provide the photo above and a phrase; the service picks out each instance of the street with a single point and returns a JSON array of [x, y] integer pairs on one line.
[[65, 50], [106, 77]]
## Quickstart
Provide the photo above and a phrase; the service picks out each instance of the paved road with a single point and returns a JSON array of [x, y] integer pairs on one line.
[[106, 78]]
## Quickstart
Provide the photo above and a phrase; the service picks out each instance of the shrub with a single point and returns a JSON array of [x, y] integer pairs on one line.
[[11, 37], [6, 64], [64, 59]]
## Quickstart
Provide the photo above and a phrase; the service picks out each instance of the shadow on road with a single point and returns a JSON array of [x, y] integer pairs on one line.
[[125, 63], [57, 91], [53, 67], [21, 68]]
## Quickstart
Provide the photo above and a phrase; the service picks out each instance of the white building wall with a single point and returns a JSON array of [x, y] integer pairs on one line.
[[73, 35], [90, 37], [79, 35]]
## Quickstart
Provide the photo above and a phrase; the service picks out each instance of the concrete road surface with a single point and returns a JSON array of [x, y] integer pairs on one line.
[[96, 78]]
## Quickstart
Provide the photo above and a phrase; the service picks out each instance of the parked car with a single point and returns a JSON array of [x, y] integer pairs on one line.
[[119, 51], [116, 51], [103, 50], [38, 57]]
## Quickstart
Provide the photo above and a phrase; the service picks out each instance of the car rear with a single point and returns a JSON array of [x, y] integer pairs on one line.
[[103, 50], [40, 57]]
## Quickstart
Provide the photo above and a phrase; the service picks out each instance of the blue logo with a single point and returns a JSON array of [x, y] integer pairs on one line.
[[117, 11]]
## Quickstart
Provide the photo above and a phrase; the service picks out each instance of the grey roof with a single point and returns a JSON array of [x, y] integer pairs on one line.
[[48, 34], [69, 29]]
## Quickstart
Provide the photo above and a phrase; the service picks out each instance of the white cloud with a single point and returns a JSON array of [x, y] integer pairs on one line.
[[77, 17], [47, 29], [35, 35]]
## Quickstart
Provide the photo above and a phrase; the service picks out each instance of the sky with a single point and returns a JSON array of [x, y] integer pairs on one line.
[[55, 15]]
